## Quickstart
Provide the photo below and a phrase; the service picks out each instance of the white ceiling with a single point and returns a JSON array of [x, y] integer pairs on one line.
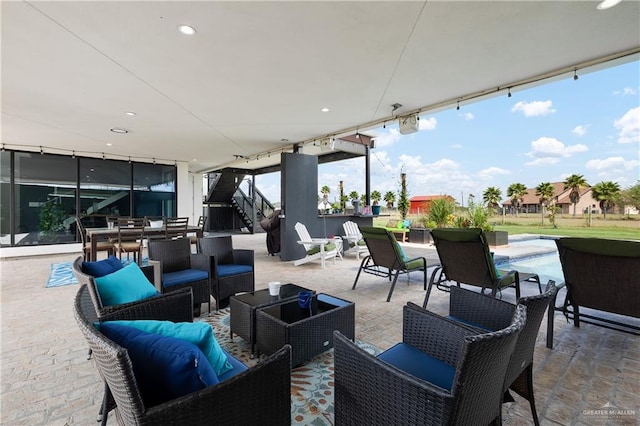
[[260, 72]]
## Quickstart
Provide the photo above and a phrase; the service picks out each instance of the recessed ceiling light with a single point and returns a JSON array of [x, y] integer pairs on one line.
[[118, 130], [325, 109], [195, 159], [130, 113], [109, 144], [186, 29], [606, 4]]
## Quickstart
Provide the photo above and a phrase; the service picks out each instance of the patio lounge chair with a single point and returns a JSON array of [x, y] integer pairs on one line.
[[603, 275], [267, 386], [488, 313], [465, 258], [315, 248], [386, 258], [442, 373]]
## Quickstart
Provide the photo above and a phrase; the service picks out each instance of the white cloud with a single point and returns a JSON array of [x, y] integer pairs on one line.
[[535, 108], [389, 138], [490, 172], [626, 91], [629, 126], [456, 146], [548, 161], [546, 147], [427, 123], [468, 116], [612, 164], [579, 130]]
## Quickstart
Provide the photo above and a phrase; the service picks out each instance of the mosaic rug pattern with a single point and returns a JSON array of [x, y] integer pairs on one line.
[[311, 384]]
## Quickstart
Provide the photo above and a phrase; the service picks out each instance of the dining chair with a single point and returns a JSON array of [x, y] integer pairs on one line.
[[130, 237], [176, 227], [107, 246]]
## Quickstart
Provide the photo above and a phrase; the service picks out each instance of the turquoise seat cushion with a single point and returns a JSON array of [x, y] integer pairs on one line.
[[185, 276], [125, 285], [102, 267], [419, 364], [228, 270], [166, 368], [237, 367], [198, 333], [316, 249]]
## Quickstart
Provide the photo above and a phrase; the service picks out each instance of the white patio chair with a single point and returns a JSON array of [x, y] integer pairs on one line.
[[354, 237], [316, 248]]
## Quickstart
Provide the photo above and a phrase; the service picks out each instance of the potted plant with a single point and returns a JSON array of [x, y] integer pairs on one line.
[[375, 198], [479, 215]]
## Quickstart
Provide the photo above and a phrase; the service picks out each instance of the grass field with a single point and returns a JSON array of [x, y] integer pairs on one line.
[[615, 227]]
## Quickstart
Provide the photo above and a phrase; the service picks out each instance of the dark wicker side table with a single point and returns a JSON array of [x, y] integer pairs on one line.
[[309, 331], [243, 308]]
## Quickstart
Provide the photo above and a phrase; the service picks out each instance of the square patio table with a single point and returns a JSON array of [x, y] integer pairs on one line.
[[243, 309], [309, 331]]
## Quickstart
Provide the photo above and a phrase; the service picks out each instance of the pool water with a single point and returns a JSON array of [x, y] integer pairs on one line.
[[547, 266]]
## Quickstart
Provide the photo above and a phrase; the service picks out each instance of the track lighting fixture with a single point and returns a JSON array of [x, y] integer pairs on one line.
[[458, 106], [41, 150], [129, 160], [509, 92], [154, 161], [575, 74], [103, 156], [384, 126], [73, 154]]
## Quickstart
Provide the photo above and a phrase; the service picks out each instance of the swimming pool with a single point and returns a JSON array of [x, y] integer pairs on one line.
[[547, 266]]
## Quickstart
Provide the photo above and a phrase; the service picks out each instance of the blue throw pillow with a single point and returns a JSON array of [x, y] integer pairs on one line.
[[165, 368], [128, 284], [197, 333], [102, 267]]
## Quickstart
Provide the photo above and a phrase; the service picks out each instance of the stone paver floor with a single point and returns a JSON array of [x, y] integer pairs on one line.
[[46, 378]]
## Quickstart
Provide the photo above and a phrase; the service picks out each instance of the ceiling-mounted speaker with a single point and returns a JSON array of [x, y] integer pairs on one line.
[[408, 124], [327, 144]]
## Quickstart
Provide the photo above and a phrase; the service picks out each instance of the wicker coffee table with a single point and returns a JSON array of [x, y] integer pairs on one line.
[[309, 331], [243, 308]]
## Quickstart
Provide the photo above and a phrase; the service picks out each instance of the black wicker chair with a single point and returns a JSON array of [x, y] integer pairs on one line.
[[603, 275], [386, 258], [259, 395], [180, 269], [489, 313], [233, 270], [465, 258], [370, 391]]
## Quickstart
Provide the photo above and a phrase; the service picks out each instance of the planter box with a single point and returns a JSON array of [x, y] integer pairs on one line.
[[420, 235], [497, 238]]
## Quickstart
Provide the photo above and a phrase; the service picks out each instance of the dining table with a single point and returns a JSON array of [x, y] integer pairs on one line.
[[101, 234]]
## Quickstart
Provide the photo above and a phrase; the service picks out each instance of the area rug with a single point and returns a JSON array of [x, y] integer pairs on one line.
[[61, 274], [311, 384]]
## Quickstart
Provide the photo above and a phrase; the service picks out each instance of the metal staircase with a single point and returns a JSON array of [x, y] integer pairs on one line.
[[225, 198]]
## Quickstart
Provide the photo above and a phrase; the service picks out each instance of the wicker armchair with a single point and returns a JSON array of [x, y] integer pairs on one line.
[[465, 258], [181, 269], [233, 270], [176, 307], [171, 307], [488, 313], [259, 395], [371, 391], [386, 258]]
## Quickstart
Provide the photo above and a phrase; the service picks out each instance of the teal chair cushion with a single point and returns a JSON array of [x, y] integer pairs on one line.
[[125, 285]]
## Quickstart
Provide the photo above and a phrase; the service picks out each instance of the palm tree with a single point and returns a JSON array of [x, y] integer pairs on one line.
[[390, 199], [375, 197], [546, 192], [607, 193], [492, 196], [574, 182], [516, 192]]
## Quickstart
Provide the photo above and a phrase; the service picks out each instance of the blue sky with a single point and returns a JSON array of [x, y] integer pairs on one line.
[[589, 126]]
